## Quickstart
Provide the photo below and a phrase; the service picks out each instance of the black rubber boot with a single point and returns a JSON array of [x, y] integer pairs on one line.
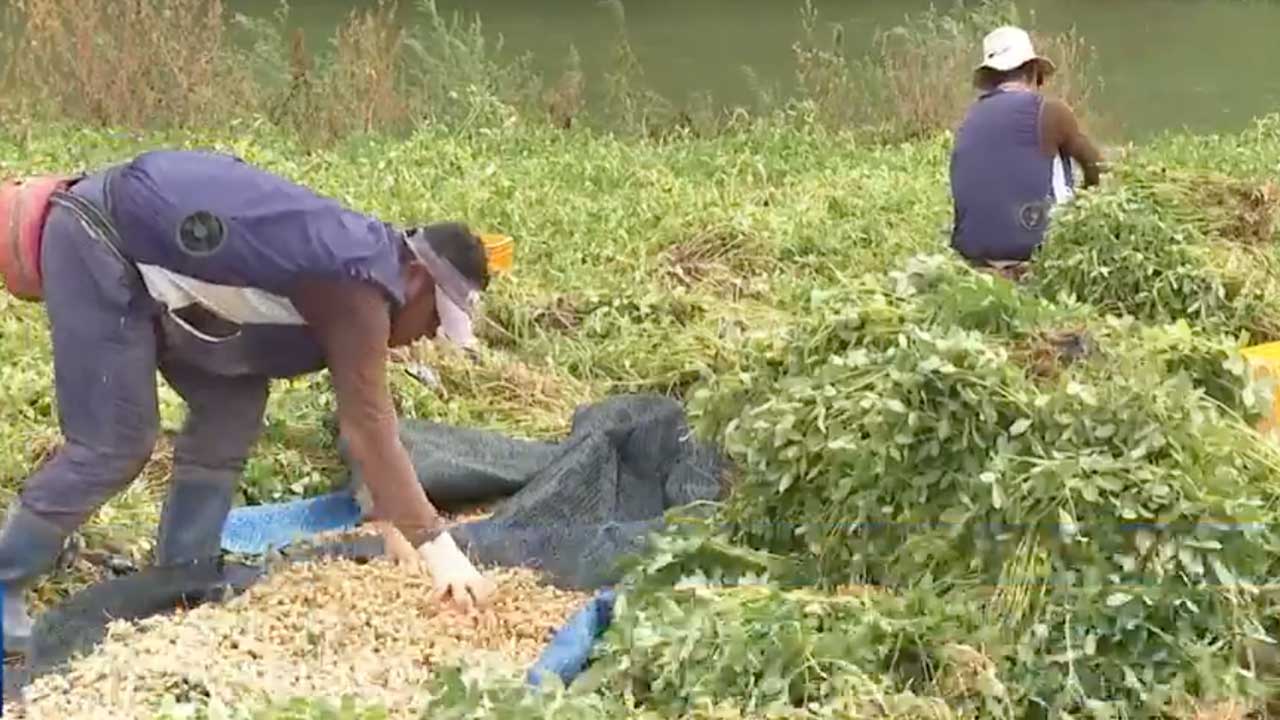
[[194, 512], [29, 547]]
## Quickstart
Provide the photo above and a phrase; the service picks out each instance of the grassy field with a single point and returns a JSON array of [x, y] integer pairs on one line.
[[770, 268], [642, 266]]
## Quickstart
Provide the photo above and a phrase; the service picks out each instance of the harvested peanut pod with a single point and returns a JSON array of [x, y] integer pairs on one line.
[[322, 630]]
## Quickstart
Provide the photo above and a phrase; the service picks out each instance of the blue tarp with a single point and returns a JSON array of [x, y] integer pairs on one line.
[[570, 649], [258, 529]]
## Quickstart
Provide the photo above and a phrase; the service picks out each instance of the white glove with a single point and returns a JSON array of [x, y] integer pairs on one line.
[[454, 575]]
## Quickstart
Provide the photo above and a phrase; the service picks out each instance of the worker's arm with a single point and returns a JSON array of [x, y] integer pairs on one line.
[[352, 323], [1060, 131]]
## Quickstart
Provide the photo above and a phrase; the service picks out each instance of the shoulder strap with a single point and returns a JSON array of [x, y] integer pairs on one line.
[[97, 222]]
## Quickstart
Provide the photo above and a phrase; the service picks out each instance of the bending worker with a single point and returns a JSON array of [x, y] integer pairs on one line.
[[223, 276], [1012, 158]]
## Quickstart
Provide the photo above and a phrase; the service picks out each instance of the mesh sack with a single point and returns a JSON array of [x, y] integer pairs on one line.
[[627, 459], [697, 476], [459, 467], [579, 557]]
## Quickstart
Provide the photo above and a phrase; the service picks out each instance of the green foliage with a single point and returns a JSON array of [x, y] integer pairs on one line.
[[920, 428], [694, 550], [770, 651], [776, 279], [1163, 245], [458, 693]]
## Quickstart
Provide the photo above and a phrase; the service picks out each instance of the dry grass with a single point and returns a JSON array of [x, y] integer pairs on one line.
[[127, 63], [366, 74], [928, 75], [561, 314], [173, 63], [1220, 710], [723, 258], [315, 630], [565, 99], [1046, 353], [827, 78], [918, 80], [966, 672], [543, 400], [1258, 207], [361, 88]]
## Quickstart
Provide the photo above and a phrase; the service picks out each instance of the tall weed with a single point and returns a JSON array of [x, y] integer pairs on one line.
[[189, 64], [830, 84], [133, 63], [565, 99], [918, 78]]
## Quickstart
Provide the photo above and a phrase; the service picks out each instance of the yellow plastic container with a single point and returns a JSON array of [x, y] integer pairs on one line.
[[1265, 363], [500, 250]]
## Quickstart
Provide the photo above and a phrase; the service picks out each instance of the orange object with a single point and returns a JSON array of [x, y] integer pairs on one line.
[[24, 205], [1264, 360], [500, 251]]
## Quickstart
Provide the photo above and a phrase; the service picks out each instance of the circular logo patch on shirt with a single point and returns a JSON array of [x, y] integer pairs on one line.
[[201, 233], [1034, 216]]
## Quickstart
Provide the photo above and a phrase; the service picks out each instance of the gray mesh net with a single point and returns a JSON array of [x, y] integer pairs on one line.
[[626, 461], [460, 467]]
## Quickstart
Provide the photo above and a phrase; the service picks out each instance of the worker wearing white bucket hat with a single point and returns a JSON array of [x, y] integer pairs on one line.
[[1012, 161], [1009, 48]]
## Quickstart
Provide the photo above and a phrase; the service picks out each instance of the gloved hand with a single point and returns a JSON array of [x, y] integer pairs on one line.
[[452, 574]]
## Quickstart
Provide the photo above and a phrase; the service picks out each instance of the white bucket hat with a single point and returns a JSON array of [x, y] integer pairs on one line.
[[1008, 47]]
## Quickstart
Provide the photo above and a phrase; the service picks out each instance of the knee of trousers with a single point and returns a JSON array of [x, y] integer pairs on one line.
[[218, 446], [78, 479], [123, 461]]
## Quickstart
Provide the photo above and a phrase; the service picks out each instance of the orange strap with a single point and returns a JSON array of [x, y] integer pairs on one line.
[[24, 206]]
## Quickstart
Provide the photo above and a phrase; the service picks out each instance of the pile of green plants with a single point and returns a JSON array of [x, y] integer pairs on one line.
[[706, 625], [1165, 244], [761, 652], [737, 637], [943, 384], [1095, 479]]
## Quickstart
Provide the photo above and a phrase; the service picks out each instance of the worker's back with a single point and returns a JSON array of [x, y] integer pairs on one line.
[[218, 219], [222, 245], [1001, 179]]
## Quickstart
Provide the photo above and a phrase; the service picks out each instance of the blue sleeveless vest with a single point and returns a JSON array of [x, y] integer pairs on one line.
[[232, 231], [1001, 181]]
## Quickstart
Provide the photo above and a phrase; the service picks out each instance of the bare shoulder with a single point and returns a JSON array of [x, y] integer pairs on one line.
[[1059, 107], [1058, 121]]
